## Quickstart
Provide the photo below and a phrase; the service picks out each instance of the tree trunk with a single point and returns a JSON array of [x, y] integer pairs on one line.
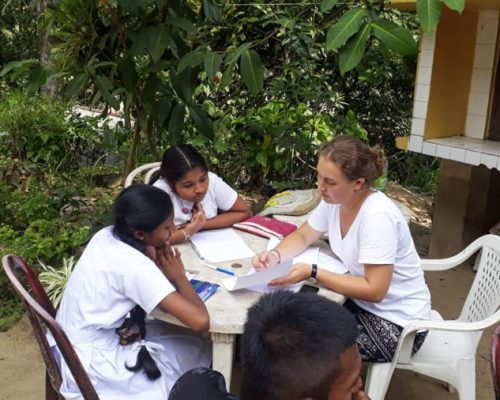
[[44, 54], [133, 147]]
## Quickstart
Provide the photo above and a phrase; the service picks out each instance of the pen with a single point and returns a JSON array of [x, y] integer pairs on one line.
[[226, 271], [196, 251]]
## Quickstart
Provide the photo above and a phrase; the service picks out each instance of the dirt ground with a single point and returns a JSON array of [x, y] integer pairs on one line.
[[22, 373]]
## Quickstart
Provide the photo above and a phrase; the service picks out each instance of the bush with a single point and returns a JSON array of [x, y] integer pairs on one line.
[[43, 132]]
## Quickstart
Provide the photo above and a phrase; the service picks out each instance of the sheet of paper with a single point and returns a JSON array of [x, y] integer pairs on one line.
[[266, 289], [220, 245], [308, 256], [257, 279], [331, 264]]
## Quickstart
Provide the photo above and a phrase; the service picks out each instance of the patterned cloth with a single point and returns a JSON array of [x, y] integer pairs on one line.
[[378, 338]]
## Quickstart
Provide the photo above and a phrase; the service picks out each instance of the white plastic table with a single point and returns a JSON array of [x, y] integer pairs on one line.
[[228, 310]]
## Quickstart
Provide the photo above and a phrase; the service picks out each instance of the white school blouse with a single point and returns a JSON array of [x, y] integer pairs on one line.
[[220, 196], [110, 279], [379, 235]]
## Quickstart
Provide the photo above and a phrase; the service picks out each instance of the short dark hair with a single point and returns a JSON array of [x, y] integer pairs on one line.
[[140, 208], [291, 346], [178, 160]]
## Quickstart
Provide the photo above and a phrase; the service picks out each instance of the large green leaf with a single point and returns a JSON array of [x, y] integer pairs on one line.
[[182, 23], [152, 40], [326, 5], [105, 87], [395, 37], [239, 51], [38, 77], [212, 63], [176, 121], [75, 85], [347, 25], [191, 59], [352, 53], [161, 109], [457, 5], [24, 65], [184, 83], [227, 75], [252, 71], [428, 13], [212, 11], [132, 6], [201, 121], [128, 74]]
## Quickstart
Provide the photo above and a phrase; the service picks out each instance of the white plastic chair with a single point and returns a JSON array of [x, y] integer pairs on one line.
[[449, 351], [151, 168]]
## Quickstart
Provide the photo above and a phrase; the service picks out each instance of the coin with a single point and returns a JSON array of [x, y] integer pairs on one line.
[[236, 265]]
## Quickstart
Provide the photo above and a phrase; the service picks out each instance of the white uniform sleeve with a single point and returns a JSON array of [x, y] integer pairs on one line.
[[146, 285], [319, 218], [225, 195], [378, 239]]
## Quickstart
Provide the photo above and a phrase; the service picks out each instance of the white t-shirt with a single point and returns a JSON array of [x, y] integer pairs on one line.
[[220, 196], [110, 279], [379, 235]]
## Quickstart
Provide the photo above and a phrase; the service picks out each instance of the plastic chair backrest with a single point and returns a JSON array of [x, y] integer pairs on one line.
[[484, 296], [151, 168], [495, 361], [42, 314]]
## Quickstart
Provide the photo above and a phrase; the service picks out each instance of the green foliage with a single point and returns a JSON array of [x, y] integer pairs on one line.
[[54, 280], [18, 39], [49, 206], [416, 171], [40, 131], [275, 142]]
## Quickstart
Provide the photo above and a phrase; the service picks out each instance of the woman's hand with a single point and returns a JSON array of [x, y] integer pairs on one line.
[[360, 395], [299, 272], [265, 260], [197, 220], [169, 261]]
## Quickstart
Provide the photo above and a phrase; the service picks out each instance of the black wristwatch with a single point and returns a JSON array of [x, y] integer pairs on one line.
[[314, 271]]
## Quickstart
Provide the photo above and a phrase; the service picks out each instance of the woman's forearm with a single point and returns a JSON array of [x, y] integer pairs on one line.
[[297, 242], [370, 287]]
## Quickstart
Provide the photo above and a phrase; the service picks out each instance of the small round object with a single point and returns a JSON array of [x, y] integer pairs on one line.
[[185, 210], [236, 265]]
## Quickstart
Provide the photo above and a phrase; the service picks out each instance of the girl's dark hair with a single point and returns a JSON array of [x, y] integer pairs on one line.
[[355, 158], [178, 160], [141, 208]]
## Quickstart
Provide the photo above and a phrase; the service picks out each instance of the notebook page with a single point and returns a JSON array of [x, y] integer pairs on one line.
[[220, 245]]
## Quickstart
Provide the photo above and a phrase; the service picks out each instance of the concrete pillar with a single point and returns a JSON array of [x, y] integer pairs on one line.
[[467, 205]]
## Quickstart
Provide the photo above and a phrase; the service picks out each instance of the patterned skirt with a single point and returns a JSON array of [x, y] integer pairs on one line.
[[378, 338]]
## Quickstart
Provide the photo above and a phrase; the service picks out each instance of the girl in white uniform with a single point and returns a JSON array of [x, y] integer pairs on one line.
[[201, 199], [386, 286], [131, 263]]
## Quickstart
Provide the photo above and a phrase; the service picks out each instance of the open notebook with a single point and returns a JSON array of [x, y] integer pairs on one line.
[[220, 245]]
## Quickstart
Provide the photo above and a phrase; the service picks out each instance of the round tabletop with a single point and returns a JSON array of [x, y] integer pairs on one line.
[[228, 310]]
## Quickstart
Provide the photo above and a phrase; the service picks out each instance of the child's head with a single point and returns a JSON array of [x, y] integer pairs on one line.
[[355, 159], [143, 216], [186, 172], [299, 345]]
